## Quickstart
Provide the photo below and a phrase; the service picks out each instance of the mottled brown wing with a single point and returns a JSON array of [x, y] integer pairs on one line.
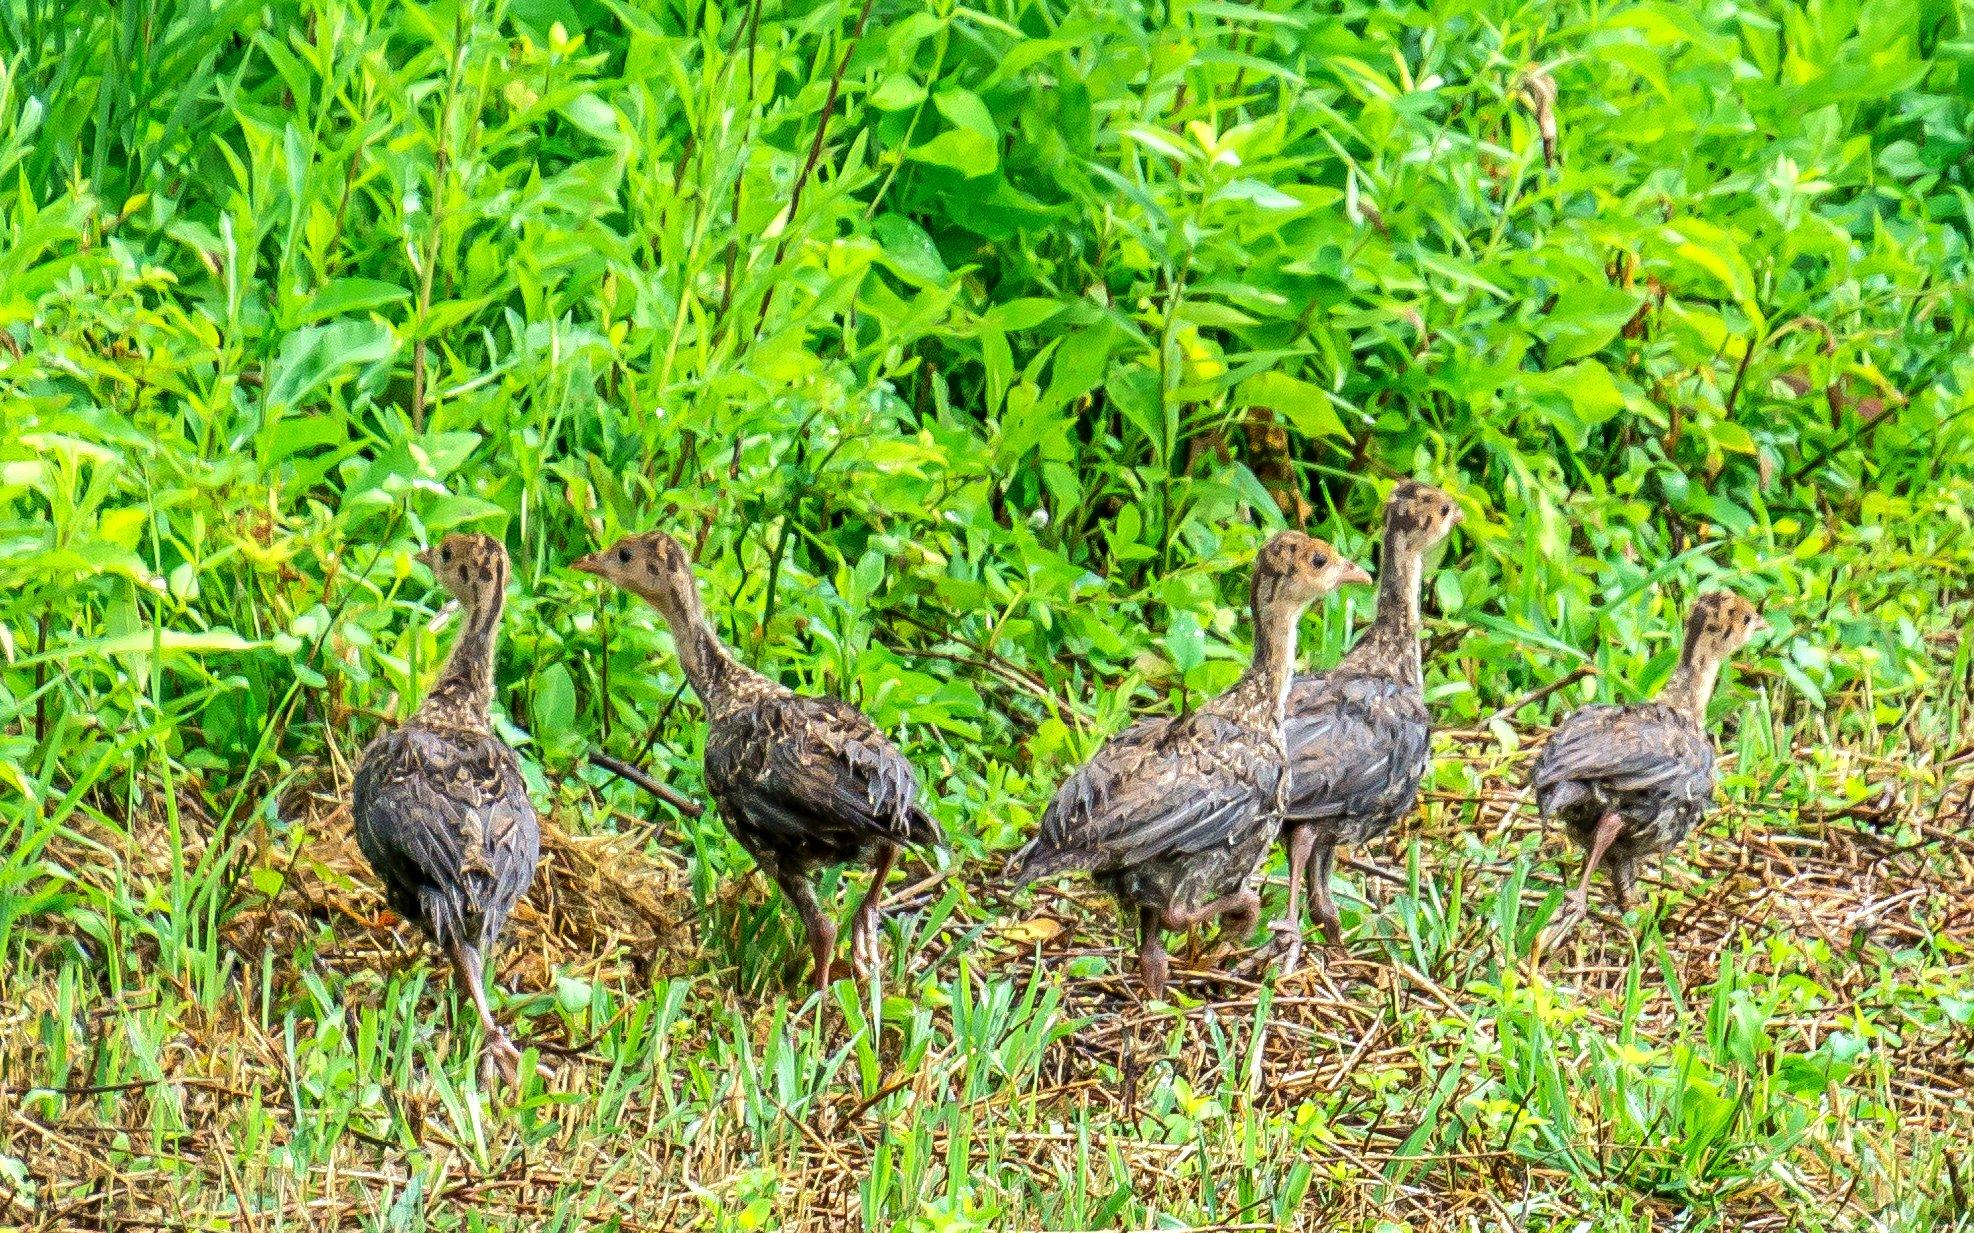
[[1358, 746], [1623, 750], [798, 770], [445, 821], [1161, 788]]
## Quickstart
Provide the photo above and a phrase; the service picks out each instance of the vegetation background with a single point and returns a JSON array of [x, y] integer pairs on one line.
[[976, 347]]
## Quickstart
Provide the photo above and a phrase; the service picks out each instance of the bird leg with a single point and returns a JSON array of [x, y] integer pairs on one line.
[[500, 1047], [1153, 967], [864, 926], [1576, 903], [1321, 863], [1287, 929], [1242, 906], [820, 928], [1238, 917], [1236, 913], [1624, 878], [1608, 826]]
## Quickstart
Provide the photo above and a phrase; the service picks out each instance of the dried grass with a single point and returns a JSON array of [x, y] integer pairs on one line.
[[617, 910]]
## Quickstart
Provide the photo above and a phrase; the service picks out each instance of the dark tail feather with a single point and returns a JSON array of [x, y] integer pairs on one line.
[[922, 830], [1033, 863]]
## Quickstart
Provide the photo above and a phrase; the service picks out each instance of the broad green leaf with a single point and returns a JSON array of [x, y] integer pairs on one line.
[[1586, 318], [1308, 408], [964, 109], [897, 93], [963, 150], [910, 249]]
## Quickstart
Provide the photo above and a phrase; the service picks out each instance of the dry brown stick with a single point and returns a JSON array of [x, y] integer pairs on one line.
[[1376, 871], [625, 771], [1562, 682]]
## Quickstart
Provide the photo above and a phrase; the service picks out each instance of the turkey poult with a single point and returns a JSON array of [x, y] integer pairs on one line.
[[440, 809], [1628, 781], [1358, 735], [1175, 815], [802, 782]]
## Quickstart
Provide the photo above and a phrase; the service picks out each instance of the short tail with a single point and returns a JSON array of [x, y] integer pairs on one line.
[[922, 830], [1035, 862]]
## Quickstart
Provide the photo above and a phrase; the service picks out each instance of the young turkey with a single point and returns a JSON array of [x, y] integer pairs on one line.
[[440, 809], [802, 782], [1358, 735], [1174, 815], [1628, 781]]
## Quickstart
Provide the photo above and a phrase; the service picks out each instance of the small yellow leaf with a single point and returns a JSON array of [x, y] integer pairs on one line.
[[1040, 929]]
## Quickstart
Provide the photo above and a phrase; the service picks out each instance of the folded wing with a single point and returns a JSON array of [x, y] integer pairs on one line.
[[1159, 789], [1358, 747], [445, 820], [802, 770]]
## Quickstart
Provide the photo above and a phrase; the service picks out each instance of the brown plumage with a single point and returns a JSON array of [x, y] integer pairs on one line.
[[802, 782], [1628, 781], [1175, 815], [440, 810], [1358, 735]]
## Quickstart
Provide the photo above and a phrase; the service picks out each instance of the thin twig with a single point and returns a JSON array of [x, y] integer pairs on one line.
[[1536, 695], [1375, 871], [625, 771], [809, 165]]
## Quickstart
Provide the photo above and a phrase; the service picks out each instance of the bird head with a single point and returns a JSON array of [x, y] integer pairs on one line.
[[1418, 516], [1297, 570], [1720, 624], [469, 565], [653, 566]]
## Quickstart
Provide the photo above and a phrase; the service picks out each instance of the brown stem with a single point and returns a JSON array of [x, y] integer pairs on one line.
[[1740, 376], [809, 164], [631, 774], [1536, 695], [41, 680]]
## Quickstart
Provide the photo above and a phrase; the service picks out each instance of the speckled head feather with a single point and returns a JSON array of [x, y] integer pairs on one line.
[[469, 565], [1418, 516], [1720, 624], [656, 568], [1299, 569], [653, 566], [1291, 572], [473, 568]]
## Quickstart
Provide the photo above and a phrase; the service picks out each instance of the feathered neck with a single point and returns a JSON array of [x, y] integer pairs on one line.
[[460, 698], [1390, 647], [1691, 685], [1262, 693], [708, 664]]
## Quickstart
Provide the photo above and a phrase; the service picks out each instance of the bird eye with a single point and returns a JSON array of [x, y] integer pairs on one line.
[[624, 556], [445, 554], [1318, 560]]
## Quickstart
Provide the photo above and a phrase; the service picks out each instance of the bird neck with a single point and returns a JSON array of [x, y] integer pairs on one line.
[[705, 660], [1269, 672], [1391, 645], [463, 694], [1692, 684]]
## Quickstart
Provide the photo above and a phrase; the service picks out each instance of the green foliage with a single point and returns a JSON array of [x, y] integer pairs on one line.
[[952, 336]]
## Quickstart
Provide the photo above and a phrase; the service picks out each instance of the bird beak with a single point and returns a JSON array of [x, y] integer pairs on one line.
[[427, 557], [1351, 572], [588, 565], [1459, 516], [1758, 625]]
